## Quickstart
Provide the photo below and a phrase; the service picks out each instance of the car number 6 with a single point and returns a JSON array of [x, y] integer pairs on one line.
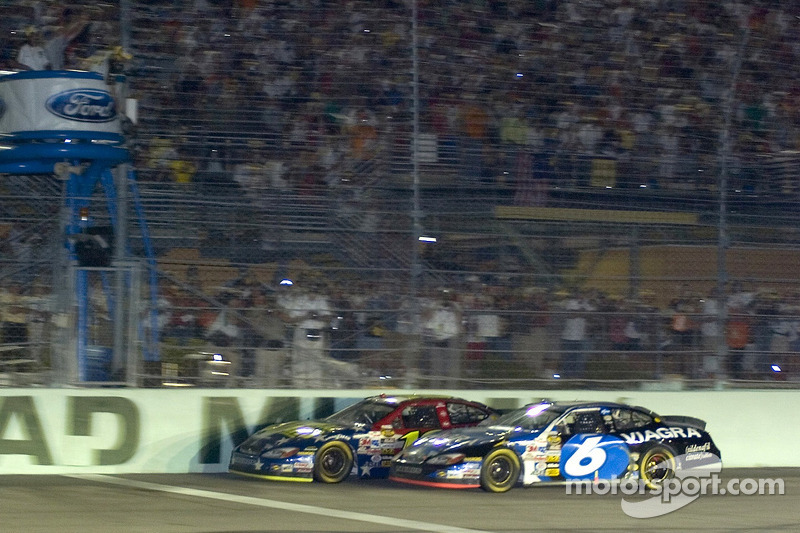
[[576, 466]]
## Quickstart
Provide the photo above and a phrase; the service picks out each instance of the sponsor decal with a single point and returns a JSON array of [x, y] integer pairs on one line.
[[698, 456], [287, 468], [552, 472], [243, 461], [83, 105], [403, 469], [591, 456], [706, 446], [472, 473], [639, 437]]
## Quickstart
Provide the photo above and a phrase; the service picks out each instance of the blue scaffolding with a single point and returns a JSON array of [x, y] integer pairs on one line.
[[66, 123]]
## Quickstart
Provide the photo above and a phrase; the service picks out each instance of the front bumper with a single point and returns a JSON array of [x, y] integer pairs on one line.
[[464, 475], [295, 468]]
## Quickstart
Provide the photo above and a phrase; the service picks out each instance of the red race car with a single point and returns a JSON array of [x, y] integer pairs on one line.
[[360, 439]]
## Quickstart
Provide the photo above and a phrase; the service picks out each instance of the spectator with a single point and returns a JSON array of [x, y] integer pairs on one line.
[[32, 55], [441, 325], [309, 312], [737, 337], [267, 334], [575, 336], [14, 307], [61, 36]]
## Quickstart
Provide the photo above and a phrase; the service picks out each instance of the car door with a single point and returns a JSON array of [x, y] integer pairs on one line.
[[588, 447], [397, 431]]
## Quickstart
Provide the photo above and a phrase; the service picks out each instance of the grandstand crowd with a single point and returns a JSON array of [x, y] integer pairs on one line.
[[319, 98], [476, 332], [532, 95]]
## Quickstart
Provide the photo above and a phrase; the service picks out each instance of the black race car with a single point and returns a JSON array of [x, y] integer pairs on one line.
[[558, 442]]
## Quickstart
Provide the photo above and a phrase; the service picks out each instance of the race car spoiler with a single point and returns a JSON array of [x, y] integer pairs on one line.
[[685, 420]]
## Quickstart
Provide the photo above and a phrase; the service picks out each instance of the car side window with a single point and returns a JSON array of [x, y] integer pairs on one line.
[[583, 421], [627, 419], [420, 417], [462, 414]]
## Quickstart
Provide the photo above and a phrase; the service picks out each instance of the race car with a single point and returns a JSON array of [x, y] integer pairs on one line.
[[360, 439], [558, 442]]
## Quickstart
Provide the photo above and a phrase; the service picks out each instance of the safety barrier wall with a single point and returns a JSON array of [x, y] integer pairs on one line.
[[57, 431]]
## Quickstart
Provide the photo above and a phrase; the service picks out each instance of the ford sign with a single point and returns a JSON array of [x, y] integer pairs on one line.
[[84, 105]]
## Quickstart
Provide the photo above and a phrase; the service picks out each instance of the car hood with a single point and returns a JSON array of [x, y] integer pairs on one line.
[[469, 441], [289, 434]]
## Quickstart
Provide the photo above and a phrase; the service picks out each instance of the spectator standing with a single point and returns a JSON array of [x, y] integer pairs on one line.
[[224, 334], [709, 332], [343, 328], [32, 55], [683, 328], [574, 337], [737, 337], [480, 322], [42, 306], [441, 335], [61, 36], [309, 311], [267, 334], [13, 306], [530, 328]]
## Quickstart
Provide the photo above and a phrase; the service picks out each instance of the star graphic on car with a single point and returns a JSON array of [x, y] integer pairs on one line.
[[259, 465], [366, 469]]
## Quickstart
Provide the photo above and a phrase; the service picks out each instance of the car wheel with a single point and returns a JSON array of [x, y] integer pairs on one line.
[[657, 465], [500, 470], [333, 462]]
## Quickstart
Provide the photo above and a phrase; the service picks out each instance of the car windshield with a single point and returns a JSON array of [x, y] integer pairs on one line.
[[535, 416], [364, 412]]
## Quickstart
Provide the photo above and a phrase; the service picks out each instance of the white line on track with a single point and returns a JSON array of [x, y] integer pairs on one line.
[[275, 504]]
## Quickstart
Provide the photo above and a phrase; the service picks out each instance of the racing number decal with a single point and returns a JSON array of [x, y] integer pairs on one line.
[[587, 456], [410, 437], [586, 459]]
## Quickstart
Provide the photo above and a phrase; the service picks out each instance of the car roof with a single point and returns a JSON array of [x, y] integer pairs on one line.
[[398, 399], [577, 404]]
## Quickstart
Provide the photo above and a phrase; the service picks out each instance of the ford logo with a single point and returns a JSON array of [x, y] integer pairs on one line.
[[84, 105]]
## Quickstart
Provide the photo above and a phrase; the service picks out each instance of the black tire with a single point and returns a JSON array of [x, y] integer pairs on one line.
[[500, 470], [656, 465], [333, 462]]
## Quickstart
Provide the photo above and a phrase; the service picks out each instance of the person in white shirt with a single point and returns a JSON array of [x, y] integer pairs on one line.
[[310, 312], [441, 334], [31, 55], [574, 337]]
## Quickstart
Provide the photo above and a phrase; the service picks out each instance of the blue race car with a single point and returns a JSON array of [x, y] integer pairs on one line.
[[359, 439], [557, 442]]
